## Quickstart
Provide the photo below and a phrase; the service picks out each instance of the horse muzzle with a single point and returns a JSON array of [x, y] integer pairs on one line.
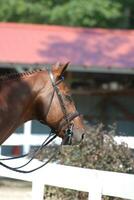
[[71, 138]]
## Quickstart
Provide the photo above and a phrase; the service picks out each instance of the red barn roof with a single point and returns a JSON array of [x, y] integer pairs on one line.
[[90, 48]]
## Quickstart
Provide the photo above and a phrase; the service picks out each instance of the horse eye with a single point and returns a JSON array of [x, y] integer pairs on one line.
[[62, 78], [68, 98]]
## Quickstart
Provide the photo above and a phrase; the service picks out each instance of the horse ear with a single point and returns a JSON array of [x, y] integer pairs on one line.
[[62, 68], [57, 65]]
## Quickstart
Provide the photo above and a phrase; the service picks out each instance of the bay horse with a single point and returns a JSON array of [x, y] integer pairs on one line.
[[41, 95]]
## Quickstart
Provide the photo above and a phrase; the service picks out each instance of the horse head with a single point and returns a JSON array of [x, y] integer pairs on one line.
[[60, 112]]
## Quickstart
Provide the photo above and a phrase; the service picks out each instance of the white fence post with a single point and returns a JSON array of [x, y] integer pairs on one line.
[[95, 191], [94, 196], [37, 189], [27, 134]]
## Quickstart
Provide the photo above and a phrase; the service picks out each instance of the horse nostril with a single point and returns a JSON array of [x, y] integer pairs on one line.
[[83, 135]]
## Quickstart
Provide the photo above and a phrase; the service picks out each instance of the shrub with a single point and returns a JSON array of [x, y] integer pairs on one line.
[[97, 151]]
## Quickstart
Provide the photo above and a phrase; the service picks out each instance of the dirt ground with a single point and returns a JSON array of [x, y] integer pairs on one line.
[[14, 190]]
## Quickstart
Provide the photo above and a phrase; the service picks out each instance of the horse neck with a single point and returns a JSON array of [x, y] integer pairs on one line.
[[34, 84], [17, 102], [21, 94]]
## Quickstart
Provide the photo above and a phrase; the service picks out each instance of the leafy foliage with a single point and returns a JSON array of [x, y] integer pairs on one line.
[[22, 11], [97, 151], [85, 13], [93, 13]]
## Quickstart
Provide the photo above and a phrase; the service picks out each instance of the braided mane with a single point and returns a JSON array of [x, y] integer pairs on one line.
[[16, 75]]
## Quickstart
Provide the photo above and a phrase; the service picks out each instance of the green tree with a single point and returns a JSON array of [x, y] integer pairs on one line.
[[93, 13], [127, 13], [23, 11], [86, 13]]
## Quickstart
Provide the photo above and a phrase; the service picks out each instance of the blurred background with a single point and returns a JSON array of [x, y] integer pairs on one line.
[[97, 37]]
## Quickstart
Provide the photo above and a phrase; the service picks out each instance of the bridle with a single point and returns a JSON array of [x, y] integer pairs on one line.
[[66, 124]]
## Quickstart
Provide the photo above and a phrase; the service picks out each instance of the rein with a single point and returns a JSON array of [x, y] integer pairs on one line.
[[50, 138], [65, 122]]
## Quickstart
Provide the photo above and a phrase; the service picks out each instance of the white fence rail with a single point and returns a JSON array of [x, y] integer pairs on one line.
[[95, 182]]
